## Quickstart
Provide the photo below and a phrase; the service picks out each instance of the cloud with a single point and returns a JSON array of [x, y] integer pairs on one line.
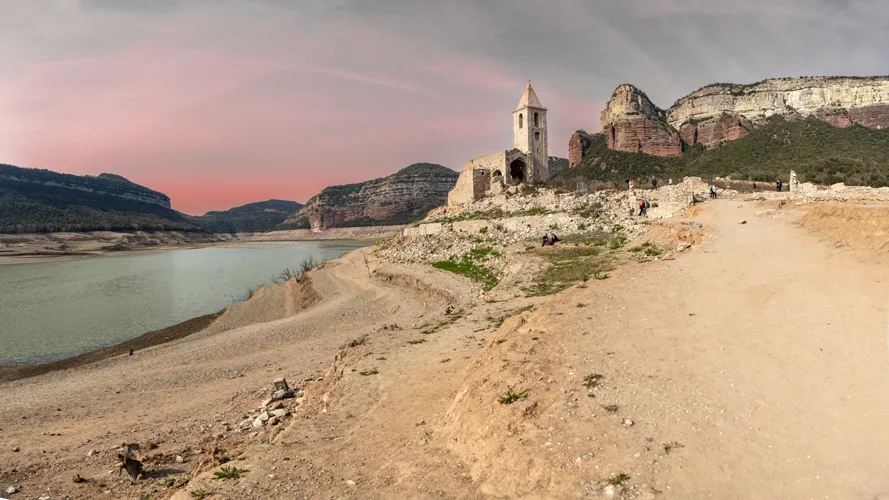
[[199, 97]]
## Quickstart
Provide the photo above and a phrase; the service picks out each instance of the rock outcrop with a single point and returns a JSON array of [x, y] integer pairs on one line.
[[580, 141], [632, 123], [838, 100], [715, 131], [400, 198]]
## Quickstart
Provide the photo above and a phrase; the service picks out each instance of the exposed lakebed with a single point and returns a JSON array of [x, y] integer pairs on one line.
[[54, 310]]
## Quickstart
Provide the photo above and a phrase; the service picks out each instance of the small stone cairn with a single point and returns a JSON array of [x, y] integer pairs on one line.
[[274, 409]]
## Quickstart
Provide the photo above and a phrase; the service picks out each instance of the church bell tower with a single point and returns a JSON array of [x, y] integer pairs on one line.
[[529, 129]]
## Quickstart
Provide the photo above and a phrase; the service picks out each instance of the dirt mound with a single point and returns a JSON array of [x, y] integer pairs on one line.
[[672, 234], [269, 303], [864, 227]]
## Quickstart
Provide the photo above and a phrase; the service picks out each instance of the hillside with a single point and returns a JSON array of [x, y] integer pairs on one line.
[[816, 150], [33, 200], [400, 198], [256, 217]]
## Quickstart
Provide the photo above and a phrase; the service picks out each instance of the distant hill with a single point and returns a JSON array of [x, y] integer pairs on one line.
[[818, 151], [33, 200], [400, 198], [256, 217]]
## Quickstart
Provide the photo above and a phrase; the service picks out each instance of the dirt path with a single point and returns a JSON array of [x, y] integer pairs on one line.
[[753, 366]]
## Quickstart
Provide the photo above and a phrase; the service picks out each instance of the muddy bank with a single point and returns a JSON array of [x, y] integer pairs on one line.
[[50, 247], [175, 332]]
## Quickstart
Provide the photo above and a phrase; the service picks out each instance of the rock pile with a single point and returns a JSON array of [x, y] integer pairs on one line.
[[274, 409]]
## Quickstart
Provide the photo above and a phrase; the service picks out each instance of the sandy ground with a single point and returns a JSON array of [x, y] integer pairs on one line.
[[753, 366]]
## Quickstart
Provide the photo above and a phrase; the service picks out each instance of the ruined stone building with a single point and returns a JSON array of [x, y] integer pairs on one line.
[[526, 162]]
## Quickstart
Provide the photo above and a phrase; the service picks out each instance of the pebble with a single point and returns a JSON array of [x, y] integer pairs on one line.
[[628, 422], [179, 459], [279, 413], [16, 449], [266, 402], [350, 482], [264, 416], [91, 453], [258, 423], [274, 421], [11, 490]]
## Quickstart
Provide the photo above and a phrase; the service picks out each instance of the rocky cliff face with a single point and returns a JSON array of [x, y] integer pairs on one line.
[[838, 100], [397, 199], [580, 141], [715, 131], [632, 123]]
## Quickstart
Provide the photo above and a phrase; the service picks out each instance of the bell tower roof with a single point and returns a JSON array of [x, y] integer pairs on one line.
[[529, 99]]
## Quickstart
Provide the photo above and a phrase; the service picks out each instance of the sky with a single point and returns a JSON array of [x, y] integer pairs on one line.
[[218, 103]]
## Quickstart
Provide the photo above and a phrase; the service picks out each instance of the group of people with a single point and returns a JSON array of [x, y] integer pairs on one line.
[[549, 239]]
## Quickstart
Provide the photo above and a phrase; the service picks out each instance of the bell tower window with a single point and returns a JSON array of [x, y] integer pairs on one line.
[[520, 120], [535, 120], [536, 136]]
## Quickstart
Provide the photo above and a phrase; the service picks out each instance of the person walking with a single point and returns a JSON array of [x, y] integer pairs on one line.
[[712, 192], [778, 186], [654, 183], [642, 208]]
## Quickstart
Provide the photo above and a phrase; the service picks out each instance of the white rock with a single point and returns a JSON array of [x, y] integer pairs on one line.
[[91, 453], [350, 482], [11, 490], [609, 490], [264, 416], [279, 413], [246, 424], [267, 402], [628, 422], [258, 423], [179, 459]]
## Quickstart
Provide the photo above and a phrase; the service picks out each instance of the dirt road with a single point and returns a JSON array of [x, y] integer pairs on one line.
[[755, 365]]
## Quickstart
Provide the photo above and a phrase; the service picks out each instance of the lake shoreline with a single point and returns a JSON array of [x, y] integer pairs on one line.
[[17, 249], [9, 373]]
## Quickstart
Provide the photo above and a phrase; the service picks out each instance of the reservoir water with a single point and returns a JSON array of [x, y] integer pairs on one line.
[[54, 310]]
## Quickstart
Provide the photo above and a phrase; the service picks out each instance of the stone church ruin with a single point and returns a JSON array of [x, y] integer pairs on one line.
[[526, 163]]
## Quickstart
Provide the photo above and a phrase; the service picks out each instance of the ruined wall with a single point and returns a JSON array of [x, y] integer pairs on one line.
[[475, 180]]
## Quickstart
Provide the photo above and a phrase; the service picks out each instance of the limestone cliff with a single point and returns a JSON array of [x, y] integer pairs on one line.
[[632, 123], [715, 131], [838, 100], [36, 200], [399, 198]]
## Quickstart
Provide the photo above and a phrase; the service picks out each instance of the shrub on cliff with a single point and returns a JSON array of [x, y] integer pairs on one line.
[[816, 150]]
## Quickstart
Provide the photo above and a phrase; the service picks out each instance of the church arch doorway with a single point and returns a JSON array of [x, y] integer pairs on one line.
[[517, 170]]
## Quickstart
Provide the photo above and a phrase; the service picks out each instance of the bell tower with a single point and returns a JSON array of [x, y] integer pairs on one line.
[[529, 129]]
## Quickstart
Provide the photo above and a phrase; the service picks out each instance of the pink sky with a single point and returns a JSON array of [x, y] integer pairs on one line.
[[263, 113]]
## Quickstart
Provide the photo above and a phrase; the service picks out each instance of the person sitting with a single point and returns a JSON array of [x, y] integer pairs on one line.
[[544, 240], [553, 238]]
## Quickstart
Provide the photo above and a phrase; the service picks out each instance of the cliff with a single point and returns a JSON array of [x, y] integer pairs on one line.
[[400, 198], [632, 123], [33, 200], [840, 101], [257, 217]]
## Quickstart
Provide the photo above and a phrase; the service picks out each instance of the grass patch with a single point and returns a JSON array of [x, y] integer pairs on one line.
[[672, 445], [568, 265], [592, 380], [201, 494], [365, 373], [600, 276], [417, 341], [445, 360], [611, 408], [450, 320], [652, 251], [512, 312], [499, 341], [618, 479], [511, 397], [467, 266], [229, 473]]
